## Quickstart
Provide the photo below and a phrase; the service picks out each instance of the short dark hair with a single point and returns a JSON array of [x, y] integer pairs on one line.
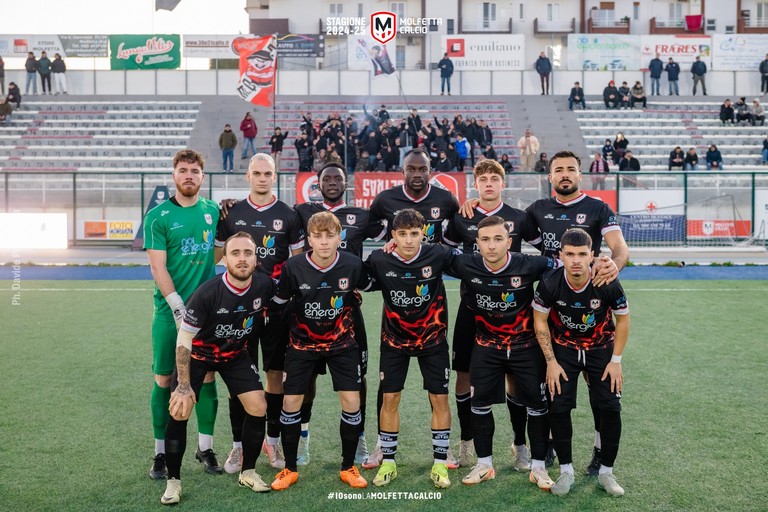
[[493, 220], [418, 151], [575, 237], [334, 165], [239, 234], [564, 154], [408, 219]]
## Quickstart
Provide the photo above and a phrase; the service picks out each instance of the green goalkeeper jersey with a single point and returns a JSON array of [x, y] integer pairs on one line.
[[186, 234]]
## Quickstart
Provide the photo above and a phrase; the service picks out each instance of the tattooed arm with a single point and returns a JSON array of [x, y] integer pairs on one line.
[[543, 336], [182, 398]]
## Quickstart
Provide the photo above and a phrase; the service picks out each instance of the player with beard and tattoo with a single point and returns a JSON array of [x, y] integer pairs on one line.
[[356, 227], [489, 182], [278, 233], [220, 320], [436, 206], [178, 238], [572, 208]]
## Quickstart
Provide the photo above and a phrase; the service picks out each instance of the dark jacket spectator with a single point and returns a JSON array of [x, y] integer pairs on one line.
[[742, 110], [714, 159], [676, 158], [726, 112], [691, 160], [611, 95], [14, 94], [490, 153], [31, 64], [542, 164], [629, 162], [656, 67], [227, 139], [638, 95], [544, 68], [444, 164], [608, 151], [673, 70], [625, 95], [485, 134], [577, 96], [277, 140], [506, 164], [445, 66], [699, 68], [619, 147]]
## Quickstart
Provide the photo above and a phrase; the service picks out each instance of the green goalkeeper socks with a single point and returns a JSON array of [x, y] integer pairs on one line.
[[158, 403], [206, 408]]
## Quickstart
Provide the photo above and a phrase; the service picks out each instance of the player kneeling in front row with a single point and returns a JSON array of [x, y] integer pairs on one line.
[[221, 317], [497, 286], [585, 339], [321, 284]]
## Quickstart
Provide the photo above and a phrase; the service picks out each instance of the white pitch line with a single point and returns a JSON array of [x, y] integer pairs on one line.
[[82, 290]]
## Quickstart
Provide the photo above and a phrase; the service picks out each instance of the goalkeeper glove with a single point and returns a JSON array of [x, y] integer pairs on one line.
[[177, 307]]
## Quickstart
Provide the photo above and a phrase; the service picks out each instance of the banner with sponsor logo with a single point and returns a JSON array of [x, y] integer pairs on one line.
[[483, 52], [70, 45], [307, 188], [603, 52], [653, 215], [162, 51], [258, 62], [738, 52], [108, 229], [683, 49], [370, 184], [364, 53], [223, 46]]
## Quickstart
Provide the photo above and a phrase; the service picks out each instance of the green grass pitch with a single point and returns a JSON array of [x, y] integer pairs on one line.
[[75, 429]]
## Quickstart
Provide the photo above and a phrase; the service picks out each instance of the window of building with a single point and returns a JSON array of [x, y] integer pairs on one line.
[[398, 8], [553, 12], [489, 13], [336, 9], [521, 11], [360, 11], [675, 11], [400, 57], [636, 11], [762, 13]]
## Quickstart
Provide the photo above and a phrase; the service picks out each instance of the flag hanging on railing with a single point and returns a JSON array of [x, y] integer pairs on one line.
[[258, 65]]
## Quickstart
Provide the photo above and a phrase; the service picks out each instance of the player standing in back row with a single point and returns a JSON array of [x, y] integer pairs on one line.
[[178, 238]]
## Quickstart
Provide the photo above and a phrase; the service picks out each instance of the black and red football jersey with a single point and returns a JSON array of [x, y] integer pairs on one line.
[[553, 218], [436, 206], [580, 319], [463, 231], [415, 315], [501, 299], [275, 227], [357, 225], [322, 300], [223, 318]]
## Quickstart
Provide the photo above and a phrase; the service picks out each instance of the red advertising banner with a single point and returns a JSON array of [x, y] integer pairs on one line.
[[370, 184], [258, 62], [307, 190], [719, 228]]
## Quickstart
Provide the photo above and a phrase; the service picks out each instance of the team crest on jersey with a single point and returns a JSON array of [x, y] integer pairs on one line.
[[594, 303], [351, 218], [426, 272], [343, 283], [516, 282], [435, 212], [511, 226], [581, 218], [208, 218], [277, 225], [257, 304]]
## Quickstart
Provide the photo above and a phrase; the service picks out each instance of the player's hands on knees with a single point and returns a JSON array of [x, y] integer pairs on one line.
[[613, 370], [554, 372], [604, 271], [467, 209], [224, 206], [389, 247], [182, 402]]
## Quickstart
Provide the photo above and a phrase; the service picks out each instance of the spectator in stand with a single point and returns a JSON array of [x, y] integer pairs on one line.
[[462, 150], [490, 153], [506, 163], [544, 68], [227, 144], [303, 152], [577, 96], [699, 70], [379, 164], [363, 164], [319, 161], [763, 75], [619, 147], [383, 114], [656, 66], [6, 111], [599, 167], [276, 146], [673, 76], [638, 95], [44, 68], [529, 148], [59, 69], [542, 164], [676, 158], [249, 129], [443, 164], [608, 151], [471, 134], [446, 71], [611, 95], [757, 113], [31, 66], [714, 158], [2, 76], [629, 163], [14, 94], [742, 110], [691, 160], [726, 112], [765, 150], [624, 95]]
